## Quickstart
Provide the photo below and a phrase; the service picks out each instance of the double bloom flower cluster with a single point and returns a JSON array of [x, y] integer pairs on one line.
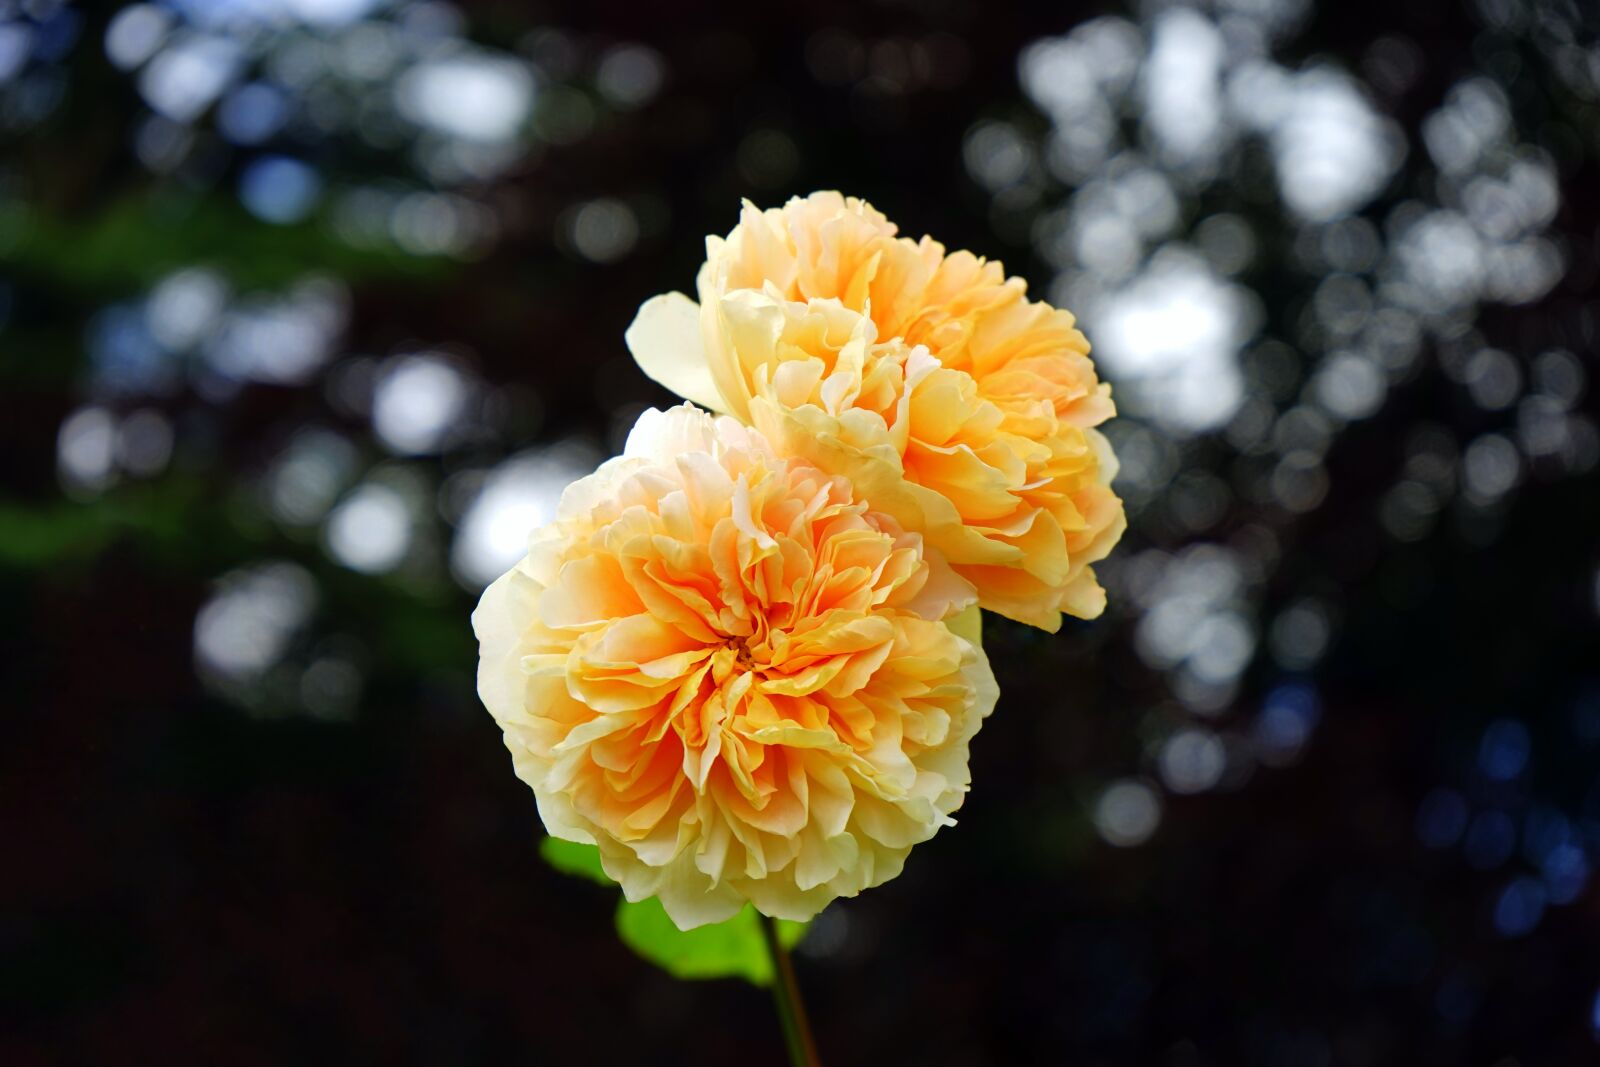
[[744, 659]]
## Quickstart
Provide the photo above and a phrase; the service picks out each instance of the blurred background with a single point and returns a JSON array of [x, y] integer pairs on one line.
[[310, 308]]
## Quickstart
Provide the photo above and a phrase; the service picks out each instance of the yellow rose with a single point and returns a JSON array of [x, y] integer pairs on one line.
[[724, 670], [947, 398]]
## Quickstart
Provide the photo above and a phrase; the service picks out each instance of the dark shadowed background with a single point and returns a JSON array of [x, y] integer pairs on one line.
[[309, 309]]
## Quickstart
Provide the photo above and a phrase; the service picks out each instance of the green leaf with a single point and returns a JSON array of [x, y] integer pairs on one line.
[[730, 949], [968, 624], [575, 858]]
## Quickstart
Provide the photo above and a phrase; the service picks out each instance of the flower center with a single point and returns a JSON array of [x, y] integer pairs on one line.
[[731, 659], [741, 652]]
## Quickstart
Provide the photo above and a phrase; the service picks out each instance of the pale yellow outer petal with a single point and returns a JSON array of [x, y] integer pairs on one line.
[[665, 341]]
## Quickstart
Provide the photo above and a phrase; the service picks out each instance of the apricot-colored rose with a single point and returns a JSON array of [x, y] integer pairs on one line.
[[722, 668], [949, 400]]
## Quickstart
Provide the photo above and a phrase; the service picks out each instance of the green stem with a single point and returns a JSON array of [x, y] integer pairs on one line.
[[791, 1009]]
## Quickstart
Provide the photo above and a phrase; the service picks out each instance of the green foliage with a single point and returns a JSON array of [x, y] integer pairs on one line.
[[731, 949], [570, 857], [161, 516], [33, 537], [135, 242], [734, 948]]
